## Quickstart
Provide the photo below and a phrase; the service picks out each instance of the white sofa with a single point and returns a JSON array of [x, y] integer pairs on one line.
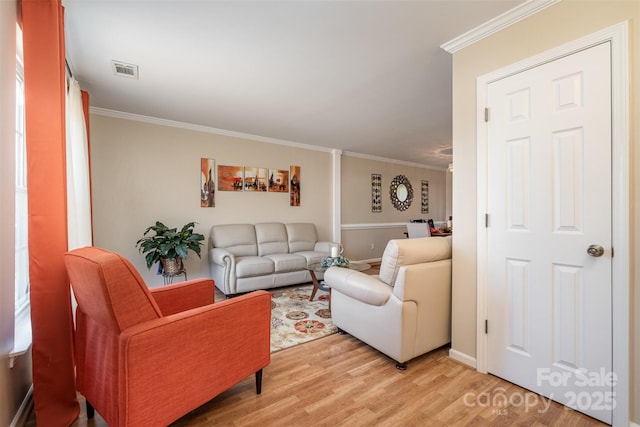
[[406, 310], [247, 257]]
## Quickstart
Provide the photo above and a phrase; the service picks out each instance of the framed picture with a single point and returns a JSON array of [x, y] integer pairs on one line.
[[229, 178], [295, 185], [255, 179], [207, 183], [376, 193], [278, 181], [424, 196]]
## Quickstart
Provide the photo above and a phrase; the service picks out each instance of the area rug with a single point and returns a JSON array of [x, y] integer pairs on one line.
[[296, 320]]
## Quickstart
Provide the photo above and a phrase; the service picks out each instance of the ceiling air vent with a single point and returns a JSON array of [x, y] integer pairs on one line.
[[124, 70]]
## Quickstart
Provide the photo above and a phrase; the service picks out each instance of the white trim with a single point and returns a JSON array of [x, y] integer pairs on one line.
[[399, 162], [378, 225], [22, 341], [337, 195], [632, 424], [462, 357], [373, 225], [24, 411], [618, 35], [496, 24], [204, 129]]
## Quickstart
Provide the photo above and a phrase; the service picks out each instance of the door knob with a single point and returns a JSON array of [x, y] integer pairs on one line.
[[595, 250]]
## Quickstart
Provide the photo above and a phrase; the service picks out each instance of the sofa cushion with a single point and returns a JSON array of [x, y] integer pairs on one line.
[[239, 239], [287, 262], [271, 238], [249, 266], [302, 237], [312, 257], [400, 252]]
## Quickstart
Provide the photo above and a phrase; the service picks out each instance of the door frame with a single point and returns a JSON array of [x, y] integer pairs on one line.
[[618, 35]]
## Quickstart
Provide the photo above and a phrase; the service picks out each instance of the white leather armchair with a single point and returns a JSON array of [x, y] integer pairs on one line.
[[406, 310]]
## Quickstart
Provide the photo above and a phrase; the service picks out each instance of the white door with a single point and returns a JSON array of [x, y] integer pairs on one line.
[[549, 200]]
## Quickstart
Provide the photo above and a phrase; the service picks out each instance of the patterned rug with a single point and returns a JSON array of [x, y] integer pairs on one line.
[[295, 319]]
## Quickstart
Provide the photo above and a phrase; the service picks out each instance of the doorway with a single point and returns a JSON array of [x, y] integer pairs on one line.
[[547, 327]]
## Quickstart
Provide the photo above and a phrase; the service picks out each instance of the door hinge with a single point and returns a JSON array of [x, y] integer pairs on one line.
[[486, 114], [611, 251], [486, 220], [486, 326]]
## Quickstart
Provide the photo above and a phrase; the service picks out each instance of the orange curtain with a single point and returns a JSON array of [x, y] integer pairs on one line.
[[51, 317]]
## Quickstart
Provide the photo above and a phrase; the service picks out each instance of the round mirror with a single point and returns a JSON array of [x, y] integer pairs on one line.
[[401, 193]]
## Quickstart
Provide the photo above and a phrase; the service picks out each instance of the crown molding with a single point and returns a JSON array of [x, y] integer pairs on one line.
[[500, 22], [204, 129], [386, 160]]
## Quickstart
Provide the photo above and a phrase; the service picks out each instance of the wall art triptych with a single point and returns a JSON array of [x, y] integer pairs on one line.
[[424, 192], [207, 185], [376, 192], [247, 178]]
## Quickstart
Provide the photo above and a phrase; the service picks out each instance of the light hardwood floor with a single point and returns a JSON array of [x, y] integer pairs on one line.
[[338, 380]]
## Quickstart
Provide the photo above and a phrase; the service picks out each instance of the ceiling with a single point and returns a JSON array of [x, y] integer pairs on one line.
[[367, 77]]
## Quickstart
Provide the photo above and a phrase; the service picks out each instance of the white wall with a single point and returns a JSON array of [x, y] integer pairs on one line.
[[143, 172], [564, 22], [356, 203]]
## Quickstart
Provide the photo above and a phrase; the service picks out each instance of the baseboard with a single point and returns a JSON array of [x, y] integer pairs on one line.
[[24, 411], [462, 358], [632, 424]]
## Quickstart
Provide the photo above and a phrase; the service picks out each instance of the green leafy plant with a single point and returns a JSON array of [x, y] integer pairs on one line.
[[168, 242], [339, 261]]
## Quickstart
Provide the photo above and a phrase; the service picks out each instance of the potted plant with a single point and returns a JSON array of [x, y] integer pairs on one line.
[[169, 246]]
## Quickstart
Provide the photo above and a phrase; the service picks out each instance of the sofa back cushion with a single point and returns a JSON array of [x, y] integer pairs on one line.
[[302, 237], [400, 252], [239, 239], [271, 238]]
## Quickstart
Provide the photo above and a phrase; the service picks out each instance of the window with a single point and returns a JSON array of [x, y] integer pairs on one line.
[[21, 236]]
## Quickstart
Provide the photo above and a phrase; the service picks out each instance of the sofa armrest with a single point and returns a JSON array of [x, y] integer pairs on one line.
[[197, 353], [357, 285], [184, 295], [221, 257], [326, 247]]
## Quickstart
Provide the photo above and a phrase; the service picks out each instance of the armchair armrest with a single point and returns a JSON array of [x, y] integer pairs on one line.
[[184, 296], [358, 285], [199, 352]]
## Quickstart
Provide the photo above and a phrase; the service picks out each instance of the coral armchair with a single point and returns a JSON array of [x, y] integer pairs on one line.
[[147, 357]]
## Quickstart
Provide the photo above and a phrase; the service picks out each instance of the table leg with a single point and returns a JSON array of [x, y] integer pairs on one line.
[[315, 284]]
